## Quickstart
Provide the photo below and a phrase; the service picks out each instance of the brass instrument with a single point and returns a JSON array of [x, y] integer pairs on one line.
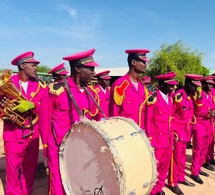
[[10, 97]]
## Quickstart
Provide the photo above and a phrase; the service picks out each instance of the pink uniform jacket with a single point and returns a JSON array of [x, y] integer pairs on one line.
[[127, 101], [158, 118], [13, 132], [158, 129], [202, 108], [183, 117], [103, 101], [58, 113], [202, 131]]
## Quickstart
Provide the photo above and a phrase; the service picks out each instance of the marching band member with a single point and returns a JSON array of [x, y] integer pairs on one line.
[[22, 145], [146, 80], [63, 104], [59, 72], [209, 158], [128, 94], [103, 91], [202, 129], [210, 153], [183, 119], [159, 112]]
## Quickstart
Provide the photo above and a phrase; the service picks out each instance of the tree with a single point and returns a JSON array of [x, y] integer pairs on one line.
[[179, 58], [42, 73], [43, 68]]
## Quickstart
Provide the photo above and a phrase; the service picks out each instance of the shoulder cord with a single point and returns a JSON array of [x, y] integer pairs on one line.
[[94, 101]]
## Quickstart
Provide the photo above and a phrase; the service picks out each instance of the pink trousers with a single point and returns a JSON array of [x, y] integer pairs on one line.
[[21, 165], [163, 156], [55, 182], [177, 165]]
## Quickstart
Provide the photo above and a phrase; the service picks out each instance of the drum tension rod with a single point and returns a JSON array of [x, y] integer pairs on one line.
[[133, 192], [121, 137], [134, 133]]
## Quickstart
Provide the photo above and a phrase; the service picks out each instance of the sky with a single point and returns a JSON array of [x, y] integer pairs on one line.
[[53, 29]]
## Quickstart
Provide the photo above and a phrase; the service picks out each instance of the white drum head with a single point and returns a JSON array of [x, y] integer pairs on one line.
[[86, 164]]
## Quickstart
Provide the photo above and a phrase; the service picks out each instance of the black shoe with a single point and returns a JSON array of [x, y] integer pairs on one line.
[[176, 190], [207, 166], [189, 145], [160, 193], [203, 173], [197, 179], [187, 183], [212, 161]]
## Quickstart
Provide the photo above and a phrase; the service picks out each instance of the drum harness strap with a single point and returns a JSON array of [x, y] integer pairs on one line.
[[75, 103], [76, 107], [72, 98]]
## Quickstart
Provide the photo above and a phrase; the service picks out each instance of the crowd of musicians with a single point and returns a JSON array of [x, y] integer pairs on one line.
[[170, 117]]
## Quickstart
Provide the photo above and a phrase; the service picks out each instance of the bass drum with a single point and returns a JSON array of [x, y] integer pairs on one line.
[[109, 157]]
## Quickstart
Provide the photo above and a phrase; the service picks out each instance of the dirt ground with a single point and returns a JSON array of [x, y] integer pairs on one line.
[[41, 179]]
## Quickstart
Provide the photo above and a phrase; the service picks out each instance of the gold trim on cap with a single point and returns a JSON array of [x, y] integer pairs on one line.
[[87, 61], [169, 80], [28, 59]]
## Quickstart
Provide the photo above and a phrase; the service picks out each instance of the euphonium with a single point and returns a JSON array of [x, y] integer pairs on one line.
[[10, 97]]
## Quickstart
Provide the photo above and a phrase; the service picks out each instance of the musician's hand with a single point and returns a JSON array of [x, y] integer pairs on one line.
[[12, 118], [24, 106]]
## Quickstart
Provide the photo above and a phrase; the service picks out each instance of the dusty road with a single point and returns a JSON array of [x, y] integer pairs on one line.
[[41, 179]]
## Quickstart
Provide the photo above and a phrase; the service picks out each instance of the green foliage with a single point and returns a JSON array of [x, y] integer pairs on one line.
[[179, 58], [43, 68]]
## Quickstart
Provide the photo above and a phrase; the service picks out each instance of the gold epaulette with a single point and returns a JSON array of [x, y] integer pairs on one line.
[[152, 99], [42, 83], [56, 88], [119, 92], [178, 97]]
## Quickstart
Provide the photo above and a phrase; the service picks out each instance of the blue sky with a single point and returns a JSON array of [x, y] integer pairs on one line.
[[57, 28]]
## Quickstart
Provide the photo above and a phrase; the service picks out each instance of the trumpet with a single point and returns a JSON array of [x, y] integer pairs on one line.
[[10, 97]]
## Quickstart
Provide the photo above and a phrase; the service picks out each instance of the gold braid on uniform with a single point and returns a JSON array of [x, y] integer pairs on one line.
[[152, 99], [195, 100], [42, 83], [178, 98], [98, 102], [56, 88], [144, 102]]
